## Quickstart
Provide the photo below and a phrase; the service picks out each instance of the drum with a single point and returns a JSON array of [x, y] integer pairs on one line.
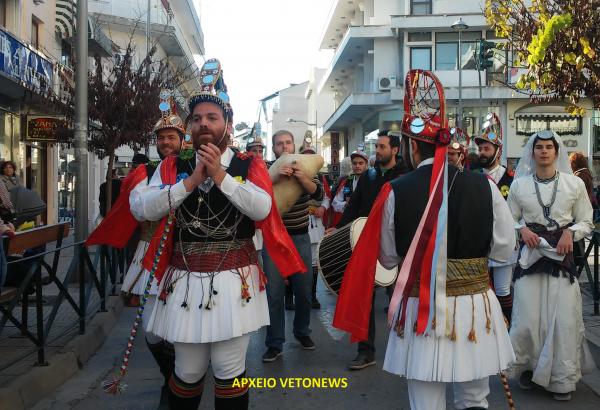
[[334, 255]]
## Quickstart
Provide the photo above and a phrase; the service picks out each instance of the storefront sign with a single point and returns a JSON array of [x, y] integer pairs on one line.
[[42, 128], [24, 65], [335, 154]]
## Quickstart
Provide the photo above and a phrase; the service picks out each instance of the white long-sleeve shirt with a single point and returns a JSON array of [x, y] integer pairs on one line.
[[571, 205], [152, 203], [503, 234]]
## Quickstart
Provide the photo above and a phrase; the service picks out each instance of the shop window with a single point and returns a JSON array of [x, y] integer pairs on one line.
[[561, 124], [420, 58], [420, 7]]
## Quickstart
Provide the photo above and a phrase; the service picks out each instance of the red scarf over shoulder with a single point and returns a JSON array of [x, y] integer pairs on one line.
[[278, 242]]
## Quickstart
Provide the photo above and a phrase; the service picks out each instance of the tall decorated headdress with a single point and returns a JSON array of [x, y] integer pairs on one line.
[[168, 114], [491, 131], [307, 143], [255, 141], [425, 120], [212, 88], [459, 139], [187, 143]]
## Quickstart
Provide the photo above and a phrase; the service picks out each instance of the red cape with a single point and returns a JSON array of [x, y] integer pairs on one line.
[[278, 242], [119, 217]]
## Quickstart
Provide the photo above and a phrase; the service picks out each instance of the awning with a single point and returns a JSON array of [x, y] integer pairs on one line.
[[66, 19]]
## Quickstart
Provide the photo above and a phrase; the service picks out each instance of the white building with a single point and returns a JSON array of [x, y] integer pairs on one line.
[[376, 42], [175, 30], [36, 40], [286, 109]]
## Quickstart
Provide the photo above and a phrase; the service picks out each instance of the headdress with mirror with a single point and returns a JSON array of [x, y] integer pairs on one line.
[[168, 118]]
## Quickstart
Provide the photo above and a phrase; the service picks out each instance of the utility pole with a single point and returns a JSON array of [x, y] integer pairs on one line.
[[148, 53], [81, 122]]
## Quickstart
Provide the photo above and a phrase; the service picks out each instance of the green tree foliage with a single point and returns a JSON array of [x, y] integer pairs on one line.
[[557, 41]]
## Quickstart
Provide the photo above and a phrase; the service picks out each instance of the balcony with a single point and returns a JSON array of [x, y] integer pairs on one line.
[[340, 18], [66, 15], [356, 107], [433, 22], [354, 46]]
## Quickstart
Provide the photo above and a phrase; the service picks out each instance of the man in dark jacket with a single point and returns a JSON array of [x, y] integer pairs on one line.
[[116, 188], [387, 167]]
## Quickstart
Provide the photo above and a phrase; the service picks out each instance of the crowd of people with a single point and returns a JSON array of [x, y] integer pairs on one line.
[[471, 299]]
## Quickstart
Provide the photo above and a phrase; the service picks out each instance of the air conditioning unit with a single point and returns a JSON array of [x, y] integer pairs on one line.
[[385, 83]]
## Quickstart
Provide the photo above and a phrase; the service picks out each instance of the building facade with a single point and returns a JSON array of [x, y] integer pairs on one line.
[[286, 109], [33, 72], [376, 42]]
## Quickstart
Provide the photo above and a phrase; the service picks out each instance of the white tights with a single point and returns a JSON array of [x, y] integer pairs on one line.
[[502, 279], [227, 358]]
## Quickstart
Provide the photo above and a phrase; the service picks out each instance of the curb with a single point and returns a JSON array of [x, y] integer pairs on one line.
[[26, 390], [592, 380]]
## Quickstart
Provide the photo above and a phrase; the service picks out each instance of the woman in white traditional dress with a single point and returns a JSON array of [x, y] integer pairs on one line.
[[551, 212]]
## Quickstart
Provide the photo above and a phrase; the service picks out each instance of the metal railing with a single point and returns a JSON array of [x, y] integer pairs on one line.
[[100, 275], [583, 264]]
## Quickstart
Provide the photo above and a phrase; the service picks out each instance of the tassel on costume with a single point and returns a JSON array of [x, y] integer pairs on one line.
[[472, 336]]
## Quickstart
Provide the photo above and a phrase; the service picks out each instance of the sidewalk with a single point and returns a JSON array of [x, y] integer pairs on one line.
[[22, 381]]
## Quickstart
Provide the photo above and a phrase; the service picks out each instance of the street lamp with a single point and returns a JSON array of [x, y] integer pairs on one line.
[[292, 120], [302, 121], [459, 25]]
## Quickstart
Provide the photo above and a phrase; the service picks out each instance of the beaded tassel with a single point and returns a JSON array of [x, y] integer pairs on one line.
[[245, 288], [115, 385], [508, 394]]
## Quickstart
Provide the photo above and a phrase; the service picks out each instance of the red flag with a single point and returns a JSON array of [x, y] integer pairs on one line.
[[119, 217]]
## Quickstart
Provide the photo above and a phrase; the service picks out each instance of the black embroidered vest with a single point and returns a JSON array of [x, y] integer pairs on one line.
[[470, 213], [200, 202]]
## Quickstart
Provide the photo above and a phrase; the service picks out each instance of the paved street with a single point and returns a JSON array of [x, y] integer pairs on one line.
[[367, 389]]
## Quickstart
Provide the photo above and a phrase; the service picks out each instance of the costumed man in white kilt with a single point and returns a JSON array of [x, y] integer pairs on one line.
[[490, 144], [117, 224], [446, 323], [551, 210], [211, 294]]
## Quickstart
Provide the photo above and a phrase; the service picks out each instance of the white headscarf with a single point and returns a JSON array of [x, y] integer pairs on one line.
[[526, 165]]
